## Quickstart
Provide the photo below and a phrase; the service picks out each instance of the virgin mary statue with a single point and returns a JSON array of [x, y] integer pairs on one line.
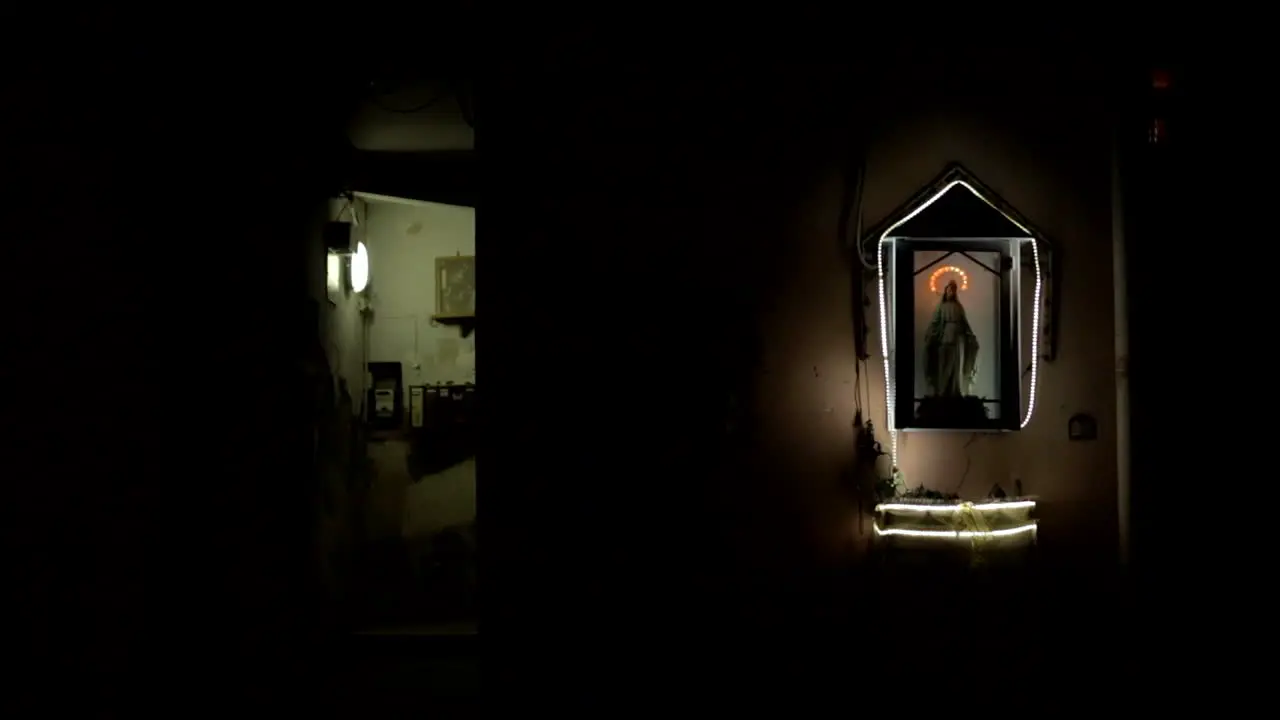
[[950, 348]]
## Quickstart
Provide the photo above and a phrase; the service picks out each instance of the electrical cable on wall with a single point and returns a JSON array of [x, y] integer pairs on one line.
[[416, 109], [857, 387], [851, 208], [865, 374], [862, 249], [348, 205], [376, 96], [364, 362], [465, 104], [416, 349], [851, 220], [968, 461]]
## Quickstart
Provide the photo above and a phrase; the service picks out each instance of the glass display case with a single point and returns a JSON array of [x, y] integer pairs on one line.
[[964, 289], [957, 325]]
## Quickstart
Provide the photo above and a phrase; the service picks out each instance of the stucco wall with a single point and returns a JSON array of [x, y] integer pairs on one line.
[[1053, 164]]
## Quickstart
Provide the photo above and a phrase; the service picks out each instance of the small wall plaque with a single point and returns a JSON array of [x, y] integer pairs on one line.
[[1082, 427]]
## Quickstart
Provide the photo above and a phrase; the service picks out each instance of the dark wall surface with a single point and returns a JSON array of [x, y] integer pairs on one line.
[[702, 208], [641, 230]]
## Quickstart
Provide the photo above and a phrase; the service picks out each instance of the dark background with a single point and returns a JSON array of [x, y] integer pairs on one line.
[[153, 446]]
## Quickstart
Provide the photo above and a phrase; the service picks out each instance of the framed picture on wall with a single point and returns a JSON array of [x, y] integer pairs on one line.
[[455, 287]]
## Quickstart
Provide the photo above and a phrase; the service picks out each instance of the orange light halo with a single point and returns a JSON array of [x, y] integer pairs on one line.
[[933, 279]]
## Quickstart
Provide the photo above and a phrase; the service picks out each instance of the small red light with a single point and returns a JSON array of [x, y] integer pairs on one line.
[[1160, 79]]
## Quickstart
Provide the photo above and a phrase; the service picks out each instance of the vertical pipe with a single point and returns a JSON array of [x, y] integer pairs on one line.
[[1120, 278]]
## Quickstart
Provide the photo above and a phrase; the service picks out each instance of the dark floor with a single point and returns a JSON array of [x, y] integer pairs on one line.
[[393, 672], [1026, 632], [862, 639], [395, 591]]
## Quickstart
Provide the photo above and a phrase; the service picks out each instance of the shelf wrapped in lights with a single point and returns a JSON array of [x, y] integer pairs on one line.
[[983, 525]]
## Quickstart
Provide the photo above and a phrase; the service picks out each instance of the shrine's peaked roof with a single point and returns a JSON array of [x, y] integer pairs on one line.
[[956, 204]]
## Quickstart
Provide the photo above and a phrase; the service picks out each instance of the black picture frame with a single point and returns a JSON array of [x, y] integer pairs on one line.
[[1007, 343]]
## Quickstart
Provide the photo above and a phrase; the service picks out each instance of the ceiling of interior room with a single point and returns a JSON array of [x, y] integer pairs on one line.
[[420, 115], [415, 87]]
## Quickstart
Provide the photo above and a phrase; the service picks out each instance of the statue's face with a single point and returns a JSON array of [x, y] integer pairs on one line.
[[950, 292]]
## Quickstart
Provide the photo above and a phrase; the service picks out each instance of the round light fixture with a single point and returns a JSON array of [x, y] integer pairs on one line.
[[360, 268]]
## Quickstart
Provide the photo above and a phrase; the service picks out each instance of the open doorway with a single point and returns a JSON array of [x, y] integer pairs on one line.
[[400, 332]]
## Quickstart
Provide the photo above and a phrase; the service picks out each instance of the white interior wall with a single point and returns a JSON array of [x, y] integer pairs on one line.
[[404, 241]]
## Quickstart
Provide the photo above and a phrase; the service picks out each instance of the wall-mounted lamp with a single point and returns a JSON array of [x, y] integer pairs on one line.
[[360, 268], [333, 272]]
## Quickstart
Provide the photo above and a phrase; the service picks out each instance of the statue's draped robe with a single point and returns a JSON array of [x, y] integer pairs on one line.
[[950, 350]]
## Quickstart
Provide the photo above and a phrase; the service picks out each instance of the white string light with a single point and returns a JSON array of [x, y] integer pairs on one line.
[[954, 534], [884, 351], [886, 239], [982, 507], [1035, 338]]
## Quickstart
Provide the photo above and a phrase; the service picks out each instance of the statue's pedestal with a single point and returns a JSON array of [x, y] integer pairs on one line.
[[957, 410], [990, 529]]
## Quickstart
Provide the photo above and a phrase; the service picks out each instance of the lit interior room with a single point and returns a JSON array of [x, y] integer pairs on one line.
[[400, 284]]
